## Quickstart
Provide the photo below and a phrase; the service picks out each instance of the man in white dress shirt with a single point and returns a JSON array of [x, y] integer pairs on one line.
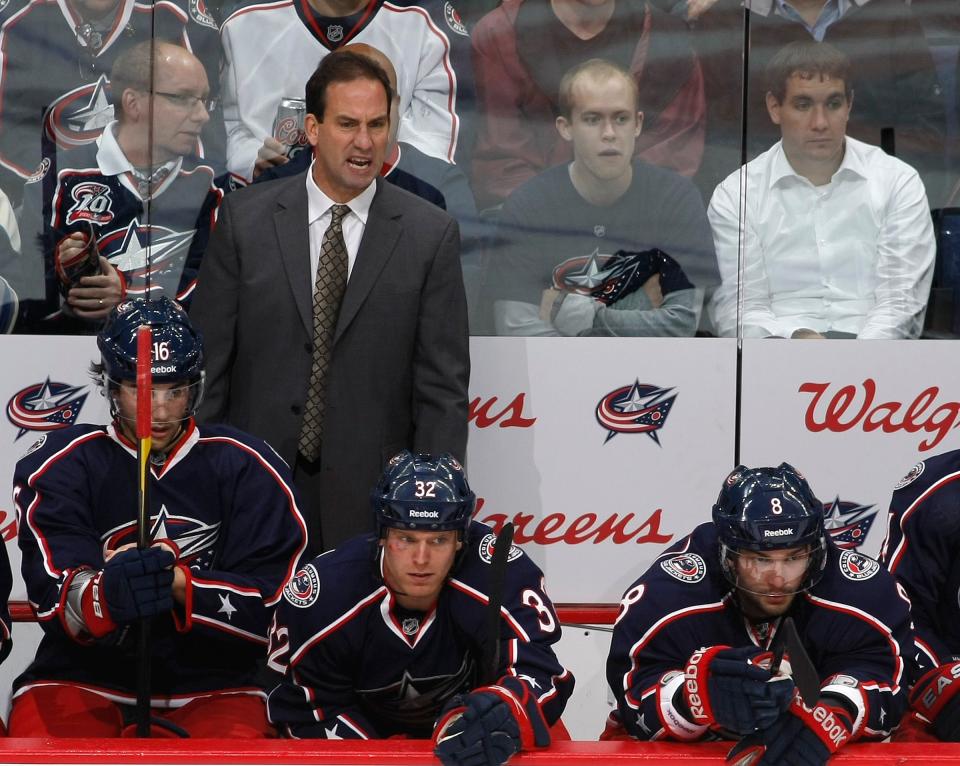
[[822, 235]]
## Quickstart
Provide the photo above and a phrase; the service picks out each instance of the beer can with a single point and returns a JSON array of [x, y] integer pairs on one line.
[[288, 124], [86, 263]]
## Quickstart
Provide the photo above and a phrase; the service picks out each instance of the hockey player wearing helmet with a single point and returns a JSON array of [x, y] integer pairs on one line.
[[226, 534], [388, 634], [691, 653]]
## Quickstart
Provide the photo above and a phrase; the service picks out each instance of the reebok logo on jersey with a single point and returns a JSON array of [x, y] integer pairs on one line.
[[778, 532], [424, 514]]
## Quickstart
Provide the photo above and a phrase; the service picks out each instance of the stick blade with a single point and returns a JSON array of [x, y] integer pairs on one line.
[[805, 675]]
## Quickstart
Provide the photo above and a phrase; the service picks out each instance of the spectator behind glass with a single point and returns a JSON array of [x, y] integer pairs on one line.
[[837, 237], [899, 98], [55, 60], [607, 244], [271, 49], [522, 49], [148, 200]]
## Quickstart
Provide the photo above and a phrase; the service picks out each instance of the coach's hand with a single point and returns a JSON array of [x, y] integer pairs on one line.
[[483, 732]]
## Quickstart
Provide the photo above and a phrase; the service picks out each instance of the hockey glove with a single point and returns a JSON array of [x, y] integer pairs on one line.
[[800, 737], [935, 697], [132, 584], [729, 688], [483, 732]]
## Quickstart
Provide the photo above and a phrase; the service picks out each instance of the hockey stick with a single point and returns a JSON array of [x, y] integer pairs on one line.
[[144, 443], [786, 642], [498, 572]]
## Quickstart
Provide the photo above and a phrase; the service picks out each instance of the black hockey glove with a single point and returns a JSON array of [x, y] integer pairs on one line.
[[132, 584], [483, 732], [731, 688], [935, 697], [802, 736]]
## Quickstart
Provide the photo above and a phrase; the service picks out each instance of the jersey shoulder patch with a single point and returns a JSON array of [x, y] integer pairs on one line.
[[686, 567], [855, 566], [912, 475], [486, 546], [304, 587]]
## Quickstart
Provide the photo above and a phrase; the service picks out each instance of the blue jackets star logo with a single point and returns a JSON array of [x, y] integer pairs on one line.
[[79, 117], [635, 409], [848, 523], [46, 406]]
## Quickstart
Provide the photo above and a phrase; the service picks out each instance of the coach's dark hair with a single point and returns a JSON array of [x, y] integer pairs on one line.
[[134, 68], [807, 60], [342, 66]]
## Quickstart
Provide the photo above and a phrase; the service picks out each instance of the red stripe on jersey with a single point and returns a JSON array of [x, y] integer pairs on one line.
[[225, 628], [338, 623], [47, 556], [353, 725], [484, 599], [898, 553], [874, 623], [258, 7], [451, 78], [292, 505], [218, 584], [653, 630]]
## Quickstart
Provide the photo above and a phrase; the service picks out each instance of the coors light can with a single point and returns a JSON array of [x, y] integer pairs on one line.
[[288, 124]]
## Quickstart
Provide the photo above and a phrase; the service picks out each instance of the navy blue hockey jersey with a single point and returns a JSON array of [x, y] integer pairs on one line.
[[165, 232], [224, 498], [921, 550], [853, 624], [357, 665]]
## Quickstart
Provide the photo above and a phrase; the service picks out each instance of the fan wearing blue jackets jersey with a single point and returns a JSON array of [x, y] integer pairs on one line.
[[923, 539], [690, 658], [226, 535], [388, 635]]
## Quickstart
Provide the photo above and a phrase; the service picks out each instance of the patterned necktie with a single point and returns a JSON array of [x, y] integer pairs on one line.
[[327, 296]]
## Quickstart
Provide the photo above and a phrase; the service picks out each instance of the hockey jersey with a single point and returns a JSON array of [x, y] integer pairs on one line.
[[920, 549], [54, 77], [357, 665], [853, 623], [163, 232], [224, 498], [271, 49]]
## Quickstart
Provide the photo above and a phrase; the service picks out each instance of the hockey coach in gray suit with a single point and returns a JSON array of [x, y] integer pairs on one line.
[[333, 310]]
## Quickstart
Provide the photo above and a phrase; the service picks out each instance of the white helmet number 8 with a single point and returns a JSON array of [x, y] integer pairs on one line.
[[775, 506]]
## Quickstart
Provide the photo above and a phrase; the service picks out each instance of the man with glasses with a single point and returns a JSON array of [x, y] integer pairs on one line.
[[691, 653], [56, 62], [225, 535], [131, 213]]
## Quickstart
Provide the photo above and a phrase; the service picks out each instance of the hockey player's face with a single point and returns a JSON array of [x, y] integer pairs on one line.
[[416, 565], [603, 126], [769, 580], [171, 402], [350, 144], [813, 120]]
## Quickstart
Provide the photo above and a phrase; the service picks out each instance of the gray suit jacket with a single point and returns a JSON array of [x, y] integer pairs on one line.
[[400, 367]]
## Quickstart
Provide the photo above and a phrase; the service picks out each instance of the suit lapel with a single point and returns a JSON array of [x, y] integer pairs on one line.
[[293, 234], [380, 237]]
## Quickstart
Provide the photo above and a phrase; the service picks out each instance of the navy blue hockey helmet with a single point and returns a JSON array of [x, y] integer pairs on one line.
[[177, 347], [423, 493], [763, 509]]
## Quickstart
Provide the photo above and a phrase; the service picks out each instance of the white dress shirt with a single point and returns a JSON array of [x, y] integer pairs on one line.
[[855, 255], [318, 218]]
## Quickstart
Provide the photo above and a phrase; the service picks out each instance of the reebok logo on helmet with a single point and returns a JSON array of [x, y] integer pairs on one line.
[[778, 532], [424, 514]]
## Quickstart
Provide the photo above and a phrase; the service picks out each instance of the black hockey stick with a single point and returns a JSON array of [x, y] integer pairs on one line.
[[498, 572], [786, 642]]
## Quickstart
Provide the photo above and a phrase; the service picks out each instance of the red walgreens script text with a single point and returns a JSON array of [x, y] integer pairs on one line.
[[588, 528], [884, 416], [511, 416]]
